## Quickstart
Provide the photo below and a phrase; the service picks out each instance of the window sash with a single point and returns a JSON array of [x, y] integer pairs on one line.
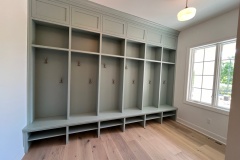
[[191, 87]]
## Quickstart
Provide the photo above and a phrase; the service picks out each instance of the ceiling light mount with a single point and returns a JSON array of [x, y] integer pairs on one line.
[[187, 13]]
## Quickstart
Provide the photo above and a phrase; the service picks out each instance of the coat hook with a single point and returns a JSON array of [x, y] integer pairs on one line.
[[150, 82], [104, 65], [61, 80], [133, 82], [164, 82], [90, 81], [45, 60], [78, 64], [126, 67], [113, 81]]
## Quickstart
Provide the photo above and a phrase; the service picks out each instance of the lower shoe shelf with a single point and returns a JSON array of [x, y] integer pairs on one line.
[[83, 128], [153, 116], [134, 119], [46, 134], [169, 114], [112, 123], [55, 126]]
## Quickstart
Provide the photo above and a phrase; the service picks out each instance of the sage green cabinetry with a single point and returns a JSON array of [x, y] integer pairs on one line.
[[89, 69], [86, 19], [52, 11]]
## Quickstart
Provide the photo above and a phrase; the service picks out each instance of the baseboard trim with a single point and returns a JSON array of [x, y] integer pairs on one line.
[[203, 131]]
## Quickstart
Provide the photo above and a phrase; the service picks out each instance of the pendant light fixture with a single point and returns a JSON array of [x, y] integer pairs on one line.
[[186, 13]]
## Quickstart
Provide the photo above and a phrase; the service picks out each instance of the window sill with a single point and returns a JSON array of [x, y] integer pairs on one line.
[[206, 107]]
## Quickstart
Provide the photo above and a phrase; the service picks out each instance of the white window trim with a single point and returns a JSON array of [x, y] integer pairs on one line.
[[216, 75]]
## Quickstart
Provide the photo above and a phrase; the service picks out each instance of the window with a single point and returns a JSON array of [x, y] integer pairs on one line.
[[211, 74]]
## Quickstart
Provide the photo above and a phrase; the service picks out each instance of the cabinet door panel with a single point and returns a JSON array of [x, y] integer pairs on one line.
[[136, 32], [170, 42], [154, 37], [55, 12], [114, 26], [86, 20]]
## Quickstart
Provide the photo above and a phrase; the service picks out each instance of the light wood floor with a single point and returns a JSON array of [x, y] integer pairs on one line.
[[167, 141]]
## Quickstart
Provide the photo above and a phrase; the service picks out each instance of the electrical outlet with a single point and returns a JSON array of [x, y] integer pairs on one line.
[[209, 121]]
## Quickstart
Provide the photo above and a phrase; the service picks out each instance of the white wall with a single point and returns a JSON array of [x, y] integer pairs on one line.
[[233, 141], [217, 29], [13, 77]]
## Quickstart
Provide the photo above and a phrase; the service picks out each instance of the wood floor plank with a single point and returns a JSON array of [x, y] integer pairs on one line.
[[196, 136], [72, 149], [183, 156], [138, 151], [44, 149], [122, 146], [84, 141], [57, 152], [127, 135], [187, 146], [167, 141], [110, 147], [98, 149], [211, 153]]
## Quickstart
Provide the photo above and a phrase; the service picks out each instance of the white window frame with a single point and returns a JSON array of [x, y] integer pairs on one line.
[[213, 106]]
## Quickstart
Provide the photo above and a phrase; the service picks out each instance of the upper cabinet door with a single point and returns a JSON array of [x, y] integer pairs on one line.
[[55, 12], [114, 26], [136, 32], [170, 42], [154, 37], [86, 19]]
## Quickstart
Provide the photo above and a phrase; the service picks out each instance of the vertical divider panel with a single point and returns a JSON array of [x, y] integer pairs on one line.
[[157, 84], [99, 75], [69, 73], [124, 125], [26, 143], [160, 81], [121, 87], [123, 76], [144, 121], [67, 134], [161, 117], [30, 69], [99, 127], [31, 88]]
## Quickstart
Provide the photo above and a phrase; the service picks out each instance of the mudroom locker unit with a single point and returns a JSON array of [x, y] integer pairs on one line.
[[91, 67]]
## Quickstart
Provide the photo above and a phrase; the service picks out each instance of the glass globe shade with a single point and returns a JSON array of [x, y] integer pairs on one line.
[[186, 14]]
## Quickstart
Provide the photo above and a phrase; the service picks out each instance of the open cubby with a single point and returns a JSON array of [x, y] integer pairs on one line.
[[83, 128], [51, 35], [168, 55], [135, 49], [50, 83], [84, 83], [153, 116], [130, 120], [111, 123], [85, 41], [154, 53], [133, 84], [151, 84], [169, 113], [111, 87], [113, 45], [167, 84], [33, 136]]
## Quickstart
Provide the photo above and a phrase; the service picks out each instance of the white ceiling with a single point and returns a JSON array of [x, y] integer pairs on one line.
[[164, 12]]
